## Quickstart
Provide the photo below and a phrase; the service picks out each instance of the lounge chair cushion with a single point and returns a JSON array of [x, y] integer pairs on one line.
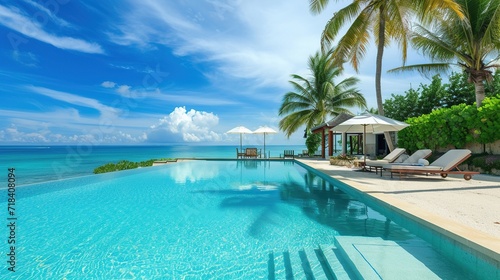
[[423, 162], [420, 154], [392, 156], [451, 158], [445, 162]]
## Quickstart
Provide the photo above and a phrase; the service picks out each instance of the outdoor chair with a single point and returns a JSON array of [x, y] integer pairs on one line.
[[444, 165], [411, 160], [289, 153], [251, 153], [239, 154]]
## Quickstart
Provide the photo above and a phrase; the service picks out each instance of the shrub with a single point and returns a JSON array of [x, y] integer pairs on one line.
[[343, 157], [455, 126], [122, 165], [486, 162]]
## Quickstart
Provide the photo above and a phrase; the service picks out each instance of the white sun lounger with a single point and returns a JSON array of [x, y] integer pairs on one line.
[[444, 165], [411, 160]]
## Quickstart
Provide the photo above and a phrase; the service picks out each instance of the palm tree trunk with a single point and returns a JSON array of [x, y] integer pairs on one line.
[[378, 72], [479, 88]]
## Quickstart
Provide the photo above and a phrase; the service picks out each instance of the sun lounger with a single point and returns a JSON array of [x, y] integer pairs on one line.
[[411, 160], [444, 165], [391, 157]]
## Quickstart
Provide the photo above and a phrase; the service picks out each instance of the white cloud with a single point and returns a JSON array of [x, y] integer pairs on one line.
[[75, 100], [50, 9], [250, 44], [15, 19], [188, 126], [108, 84]]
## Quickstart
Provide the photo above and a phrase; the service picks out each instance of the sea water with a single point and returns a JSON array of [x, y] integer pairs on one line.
[[44, 163]]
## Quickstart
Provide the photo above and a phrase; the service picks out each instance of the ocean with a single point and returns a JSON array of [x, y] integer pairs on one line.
[[34, 164]]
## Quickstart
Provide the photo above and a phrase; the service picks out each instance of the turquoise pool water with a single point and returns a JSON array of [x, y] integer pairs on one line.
[[189, 220]]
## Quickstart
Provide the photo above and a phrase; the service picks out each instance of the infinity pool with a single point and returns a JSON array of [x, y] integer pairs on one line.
[[189, 220]]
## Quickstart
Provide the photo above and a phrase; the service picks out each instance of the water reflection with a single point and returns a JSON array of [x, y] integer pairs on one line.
[[325, 203], [194, 171]]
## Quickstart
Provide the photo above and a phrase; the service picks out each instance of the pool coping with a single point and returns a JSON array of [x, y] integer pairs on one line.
[[483, 243]]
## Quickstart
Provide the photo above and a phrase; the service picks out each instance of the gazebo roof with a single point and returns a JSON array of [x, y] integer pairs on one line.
[[342, 117]]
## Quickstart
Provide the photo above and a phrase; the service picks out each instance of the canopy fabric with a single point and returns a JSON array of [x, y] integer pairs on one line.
[[370, 123], [240, 130]]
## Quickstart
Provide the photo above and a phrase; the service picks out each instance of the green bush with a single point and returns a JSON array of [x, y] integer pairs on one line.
[[455, 126], [122, 165], [486, 162]]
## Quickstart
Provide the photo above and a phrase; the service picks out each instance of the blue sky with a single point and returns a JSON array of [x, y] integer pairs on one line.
[[154, 71]]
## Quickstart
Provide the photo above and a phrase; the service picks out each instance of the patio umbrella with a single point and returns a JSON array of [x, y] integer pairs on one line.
[[265, 130], [240, 130], [371, 123]]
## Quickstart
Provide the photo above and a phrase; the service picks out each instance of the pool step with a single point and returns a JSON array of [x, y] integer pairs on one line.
[[308, 263], [376, 258]]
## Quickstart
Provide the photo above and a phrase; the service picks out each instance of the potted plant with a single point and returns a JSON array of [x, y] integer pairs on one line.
[[342, 159]]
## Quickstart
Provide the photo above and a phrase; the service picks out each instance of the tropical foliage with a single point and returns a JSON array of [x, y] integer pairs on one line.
[[424, 99], [123, 165], [473, 41], [319, 97], [455, 126], [313, 142], [386, 20]]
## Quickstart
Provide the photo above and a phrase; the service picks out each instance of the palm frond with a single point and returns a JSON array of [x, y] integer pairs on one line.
[[338, 20], [317, 6], [427, 68]]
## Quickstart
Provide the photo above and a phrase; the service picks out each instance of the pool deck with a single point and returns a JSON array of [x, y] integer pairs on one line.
[[467, 211]]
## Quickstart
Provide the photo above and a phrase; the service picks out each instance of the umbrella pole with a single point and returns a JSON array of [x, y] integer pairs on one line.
[[241, 147], [364, 147], [264, 145]]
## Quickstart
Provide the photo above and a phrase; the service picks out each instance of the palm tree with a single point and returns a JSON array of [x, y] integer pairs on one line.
[[386, 19], [319, 97], [473, 41]]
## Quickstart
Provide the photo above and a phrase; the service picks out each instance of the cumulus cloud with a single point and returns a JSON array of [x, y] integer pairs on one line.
[[15, 134], [185, 126]]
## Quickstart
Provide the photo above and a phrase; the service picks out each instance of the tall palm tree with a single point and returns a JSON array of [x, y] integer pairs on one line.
[[319, 97], [386, 19], [472, 41]]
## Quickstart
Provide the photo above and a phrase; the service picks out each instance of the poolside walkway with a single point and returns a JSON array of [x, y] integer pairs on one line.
[[467, 209]]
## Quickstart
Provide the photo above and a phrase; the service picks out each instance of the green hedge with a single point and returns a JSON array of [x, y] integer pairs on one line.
[[122, 165], [455, 126]]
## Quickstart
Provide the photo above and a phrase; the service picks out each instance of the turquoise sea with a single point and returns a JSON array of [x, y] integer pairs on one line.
[[35, 164]]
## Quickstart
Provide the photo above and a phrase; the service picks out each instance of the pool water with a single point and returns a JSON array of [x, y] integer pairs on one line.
[[188, 220]]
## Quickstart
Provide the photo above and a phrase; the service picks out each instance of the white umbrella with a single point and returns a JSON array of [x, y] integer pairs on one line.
[[265, 130], [369, 123], [240, 130]]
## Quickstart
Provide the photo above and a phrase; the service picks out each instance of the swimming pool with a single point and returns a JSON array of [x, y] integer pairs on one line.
[[195, 220]]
